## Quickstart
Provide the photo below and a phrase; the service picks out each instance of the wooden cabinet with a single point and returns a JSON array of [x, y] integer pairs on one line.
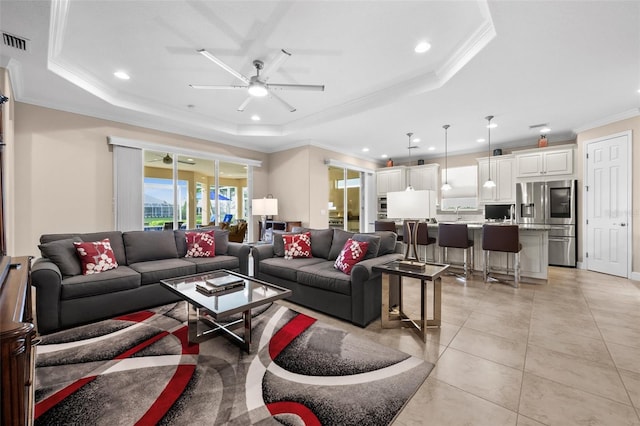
[[502, 173], [17, 334], [390, 179], [544, 162], [423, 177]]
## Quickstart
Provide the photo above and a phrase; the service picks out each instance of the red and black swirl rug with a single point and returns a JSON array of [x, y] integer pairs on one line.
[[139, 369]]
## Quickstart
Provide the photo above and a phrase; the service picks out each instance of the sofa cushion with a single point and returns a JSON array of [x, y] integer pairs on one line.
[[119, 279], [142, 246], [320, 240], [278, 242], [352, 253], [373, 241], [63, 254], [221, 238], [153, 271], [323, 275], [115, 237], [297, 245], [206, 264], [286, 268], [200, 244], [388, 241], [340, 237], [96, 256]]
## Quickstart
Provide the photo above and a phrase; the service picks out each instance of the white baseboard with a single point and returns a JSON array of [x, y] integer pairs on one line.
[[635, 276]]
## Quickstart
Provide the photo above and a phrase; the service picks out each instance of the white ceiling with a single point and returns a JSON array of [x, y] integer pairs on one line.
[[567, 64]]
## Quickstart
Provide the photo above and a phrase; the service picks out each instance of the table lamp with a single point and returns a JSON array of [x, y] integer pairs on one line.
[[411, 206], [264, 207]]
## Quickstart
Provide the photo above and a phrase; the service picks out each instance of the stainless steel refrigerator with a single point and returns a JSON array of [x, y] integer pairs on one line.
[[554, 204]]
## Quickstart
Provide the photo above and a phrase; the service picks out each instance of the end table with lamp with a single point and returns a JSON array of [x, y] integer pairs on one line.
[[264, 207]]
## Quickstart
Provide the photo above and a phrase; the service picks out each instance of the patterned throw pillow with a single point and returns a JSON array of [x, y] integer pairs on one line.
[[96, 256], [297, 245], [200, 244], [352, 253]]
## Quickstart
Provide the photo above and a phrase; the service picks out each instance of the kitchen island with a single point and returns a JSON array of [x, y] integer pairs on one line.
[[534, 257]]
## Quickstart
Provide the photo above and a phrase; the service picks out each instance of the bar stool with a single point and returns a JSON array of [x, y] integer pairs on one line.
[[502, 238], [456, 235], [423, 239], [385, 225]]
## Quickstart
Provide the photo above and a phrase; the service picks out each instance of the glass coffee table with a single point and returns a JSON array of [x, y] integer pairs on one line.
[[207, 312]]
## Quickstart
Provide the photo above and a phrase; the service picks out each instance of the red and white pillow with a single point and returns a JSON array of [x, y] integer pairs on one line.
[[96, 256], [200, 244], [352, 253], [297, 245]]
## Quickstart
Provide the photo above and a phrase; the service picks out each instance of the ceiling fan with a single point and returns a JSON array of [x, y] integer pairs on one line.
[[167, 159], [257, 85]]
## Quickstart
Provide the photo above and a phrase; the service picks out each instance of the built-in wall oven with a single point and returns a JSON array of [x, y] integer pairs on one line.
[[554, 205], [382, 207]]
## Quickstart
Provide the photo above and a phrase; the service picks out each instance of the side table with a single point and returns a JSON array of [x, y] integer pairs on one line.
[[393, 273]]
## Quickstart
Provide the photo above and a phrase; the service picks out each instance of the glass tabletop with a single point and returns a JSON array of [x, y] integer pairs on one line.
[[430, 271], [250, 294]]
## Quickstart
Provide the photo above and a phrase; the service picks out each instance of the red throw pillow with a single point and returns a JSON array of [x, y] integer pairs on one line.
[[352, 253], [96, 256], [297, 245], [200, 244]]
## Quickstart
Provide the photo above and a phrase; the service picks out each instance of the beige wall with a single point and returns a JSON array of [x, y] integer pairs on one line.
[[64, 182], [299, 179], [632, 124]]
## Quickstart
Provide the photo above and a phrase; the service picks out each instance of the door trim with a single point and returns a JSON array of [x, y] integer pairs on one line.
[[584, 233]]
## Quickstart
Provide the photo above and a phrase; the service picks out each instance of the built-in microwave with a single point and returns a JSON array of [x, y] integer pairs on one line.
[[382, 207]]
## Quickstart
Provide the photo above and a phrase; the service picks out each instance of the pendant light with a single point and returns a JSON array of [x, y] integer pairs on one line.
[[445, 186], [489, 183], [409, 187]]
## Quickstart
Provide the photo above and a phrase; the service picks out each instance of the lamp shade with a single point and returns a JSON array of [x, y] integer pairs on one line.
[[410, 204], [265, 206]]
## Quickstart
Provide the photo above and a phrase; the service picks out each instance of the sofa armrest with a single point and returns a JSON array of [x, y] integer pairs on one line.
[[363, 270], [241, 251], [260, 252], [47, 280]]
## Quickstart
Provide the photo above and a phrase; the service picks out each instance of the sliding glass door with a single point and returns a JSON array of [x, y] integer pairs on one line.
[[345, 199]]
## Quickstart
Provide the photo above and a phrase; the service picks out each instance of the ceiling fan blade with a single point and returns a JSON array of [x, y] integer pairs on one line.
[[224, 66], [275, 65], [283, 102], [308, 87], [191, 163], [217, 87], [242, 107]]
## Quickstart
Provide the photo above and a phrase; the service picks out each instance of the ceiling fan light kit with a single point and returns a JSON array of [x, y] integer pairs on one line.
[[257, 85]]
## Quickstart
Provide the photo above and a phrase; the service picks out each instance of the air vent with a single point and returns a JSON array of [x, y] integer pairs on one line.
[[537, 126], [16, 42]]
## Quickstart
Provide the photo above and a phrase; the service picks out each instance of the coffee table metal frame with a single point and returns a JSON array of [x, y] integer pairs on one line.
[[393, 274], [211, 310]]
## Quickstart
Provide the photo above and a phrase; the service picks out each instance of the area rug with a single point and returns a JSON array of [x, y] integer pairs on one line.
[[139, 369]]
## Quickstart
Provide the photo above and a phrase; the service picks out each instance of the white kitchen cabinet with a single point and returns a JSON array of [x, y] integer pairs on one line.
[[391, 179], [544, 162], [423, 177], [502, 173]]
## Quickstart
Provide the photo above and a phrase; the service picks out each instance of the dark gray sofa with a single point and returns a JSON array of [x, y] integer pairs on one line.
[[66, 298], [318, 285]]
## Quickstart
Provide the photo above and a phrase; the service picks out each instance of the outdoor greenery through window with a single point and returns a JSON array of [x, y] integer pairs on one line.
[[180, 191]]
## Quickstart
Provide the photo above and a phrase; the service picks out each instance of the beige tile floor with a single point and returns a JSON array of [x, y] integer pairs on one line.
[[563, 353]]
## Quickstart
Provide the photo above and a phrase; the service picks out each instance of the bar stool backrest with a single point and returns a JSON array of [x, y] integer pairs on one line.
[[384, 225], [454, 235], [503, 238]]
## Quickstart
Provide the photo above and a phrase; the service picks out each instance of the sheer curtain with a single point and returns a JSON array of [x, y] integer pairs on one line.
[[127, 188]]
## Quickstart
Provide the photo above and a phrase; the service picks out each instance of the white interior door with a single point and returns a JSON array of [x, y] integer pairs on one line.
[[608, 199]]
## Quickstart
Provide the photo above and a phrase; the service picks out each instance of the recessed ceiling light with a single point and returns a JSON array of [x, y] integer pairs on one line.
[[480, 140], [422, 47], [416, 140], [122, 75], [255, 117], [384, 156], [365, 149], [432, 148], [545, 130]]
